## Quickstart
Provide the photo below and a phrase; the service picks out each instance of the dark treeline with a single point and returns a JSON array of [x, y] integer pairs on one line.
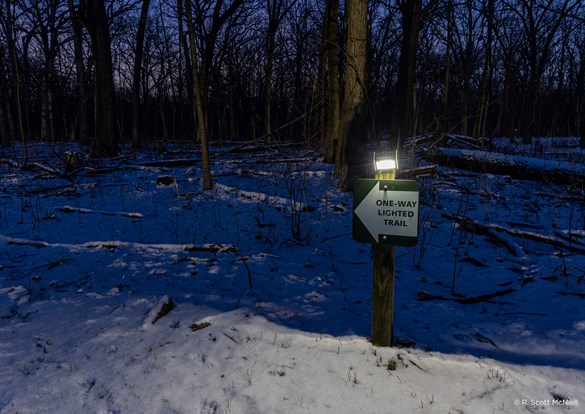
[[279, 69]]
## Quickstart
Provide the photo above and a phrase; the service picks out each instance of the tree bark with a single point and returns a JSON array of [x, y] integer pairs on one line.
[[319, 115], [406, 82], [466, 59], [81, 78], [93, 16], [14, 65], [487, 74], [137, 74], [446, 124], [273, 8], [187, 56], [582, 126], [352, 132], [197, 91], [334, 95], [277, 9], [581, 99], [5, 134], [49, 20]]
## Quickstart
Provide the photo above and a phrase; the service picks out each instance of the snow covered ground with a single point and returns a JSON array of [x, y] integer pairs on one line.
[[126, 289]]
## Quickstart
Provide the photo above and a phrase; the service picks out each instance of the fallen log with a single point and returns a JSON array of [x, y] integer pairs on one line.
[[526, 168]]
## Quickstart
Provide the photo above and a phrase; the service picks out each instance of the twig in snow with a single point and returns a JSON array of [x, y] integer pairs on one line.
[[464, 301]]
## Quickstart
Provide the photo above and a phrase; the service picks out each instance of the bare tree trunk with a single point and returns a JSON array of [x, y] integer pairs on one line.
[[163, 118], [48, 119], [581, 100], [334, 94], [48, 18], [320, 111], [210, 19], [137, 72], [505, 98], [24, 81], [201, 132], [5, 121], [93, 16], [12, 51], [467, 69], [446, 124], [486, 76], [353, 109], [19, 104], [81, 77], [582, 127], [300, 103], [276, 9], [189, 72], [406, 82]]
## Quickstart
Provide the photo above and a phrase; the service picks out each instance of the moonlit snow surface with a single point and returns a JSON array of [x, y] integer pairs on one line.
[[119, 294]]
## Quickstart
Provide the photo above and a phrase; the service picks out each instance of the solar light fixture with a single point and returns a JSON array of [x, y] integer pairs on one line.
[[386, 160]]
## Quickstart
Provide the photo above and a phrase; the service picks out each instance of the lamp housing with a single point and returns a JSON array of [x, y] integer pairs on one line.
[[386, 160]]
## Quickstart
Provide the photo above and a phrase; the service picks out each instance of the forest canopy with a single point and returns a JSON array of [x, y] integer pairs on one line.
[[267, 69]]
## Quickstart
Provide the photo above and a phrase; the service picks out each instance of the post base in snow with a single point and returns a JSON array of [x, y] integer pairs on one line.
[[383, 295]]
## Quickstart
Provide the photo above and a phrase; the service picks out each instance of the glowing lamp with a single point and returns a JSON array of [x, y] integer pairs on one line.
[[386, 160]]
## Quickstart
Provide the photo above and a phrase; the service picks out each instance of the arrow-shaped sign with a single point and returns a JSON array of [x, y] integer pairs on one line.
[[388, 210]]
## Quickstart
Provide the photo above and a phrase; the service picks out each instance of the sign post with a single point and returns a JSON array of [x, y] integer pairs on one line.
[[385, 214]]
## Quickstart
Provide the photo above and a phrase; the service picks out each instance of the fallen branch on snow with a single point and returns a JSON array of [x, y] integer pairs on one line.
[[465, 301], [262, 197], [162, 308], [208, 248], [69, 209], [490, 228]]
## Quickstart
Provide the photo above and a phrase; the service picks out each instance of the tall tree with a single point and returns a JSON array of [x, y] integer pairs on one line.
[[92, 14], [405, 84], [581, 97], [333, 89], [405, 99], [466, 34], [210, 19], [446, 123], [487, 72], [5, 116], [276, 10], [81, 112], [198, 92], [49, 19], [582, 127], [137, 72], [183, 40], [8, 22], [540, 21], [353, 111]]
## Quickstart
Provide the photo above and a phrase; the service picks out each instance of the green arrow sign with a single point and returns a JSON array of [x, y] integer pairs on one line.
[[386, 211]]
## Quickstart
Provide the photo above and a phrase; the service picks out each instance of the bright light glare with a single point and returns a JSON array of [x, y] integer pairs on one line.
[[387, 164]]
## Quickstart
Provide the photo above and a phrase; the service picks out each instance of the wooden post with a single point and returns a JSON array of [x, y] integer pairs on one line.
[[383, 287]]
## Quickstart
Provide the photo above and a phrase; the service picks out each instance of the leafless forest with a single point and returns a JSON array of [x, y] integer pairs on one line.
[[332, 74]]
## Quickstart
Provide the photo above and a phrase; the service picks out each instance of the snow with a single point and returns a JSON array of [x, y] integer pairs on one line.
[[121, 295]]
